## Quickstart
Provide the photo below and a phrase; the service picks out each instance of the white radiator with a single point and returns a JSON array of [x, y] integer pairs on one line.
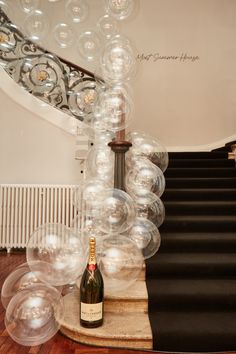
[[23, 208]]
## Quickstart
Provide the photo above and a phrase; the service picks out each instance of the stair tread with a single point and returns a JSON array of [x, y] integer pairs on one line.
[[188, 331]]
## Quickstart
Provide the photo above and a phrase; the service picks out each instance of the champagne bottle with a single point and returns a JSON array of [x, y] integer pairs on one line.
[[91, 291]]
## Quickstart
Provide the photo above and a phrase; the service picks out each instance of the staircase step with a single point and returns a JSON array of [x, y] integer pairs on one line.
[[205, 182], [200, 223], [193, 163], [125, 329], [194, 265], [192, 294], [186, 331], [200, 208], [199, 155], [197, 194], [198, 242], [200, 172]]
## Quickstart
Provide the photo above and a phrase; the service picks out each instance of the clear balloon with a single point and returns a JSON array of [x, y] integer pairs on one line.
[[100, 163], [103, 137], [150, 147], [120, 262], [117, 211], [36, 25], [83, 95], [150, 207], [120, 9], [144, 177], [107, 26], [89, 45], [33, 315], [118, 60], [77, 10], [63, 35], [56, 254], [113, 110], [29, 5], [19, 279], [146, 236]]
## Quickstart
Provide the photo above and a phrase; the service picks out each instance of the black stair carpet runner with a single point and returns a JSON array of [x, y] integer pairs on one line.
[[191, 281]]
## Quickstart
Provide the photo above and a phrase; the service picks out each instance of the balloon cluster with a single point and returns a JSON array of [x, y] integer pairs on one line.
[[125, 223]]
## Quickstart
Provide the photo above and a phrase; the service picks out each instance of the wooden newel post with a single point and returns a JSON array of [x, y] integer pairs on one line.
[[119, 148]]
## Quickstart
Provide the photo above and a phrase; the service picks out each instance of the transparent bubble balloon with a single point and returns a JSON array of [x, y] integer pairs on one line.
[[19, 279], [117, 211], [150, 147], [113, 110], [33, 315], [118, 60], [56, 254], [28, 5], [82, 97], [103, 137], [107, 26], [100, 163], [146, 236], [77, 10], [89, 45], [36, 25], [120, 9], [87, 196], [150, 207], [144, 177], [63, 35], [120, 262]]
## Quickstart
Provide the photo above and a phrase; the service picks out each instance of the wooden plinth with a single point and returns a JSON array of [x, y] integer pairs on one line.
[[126, 322]]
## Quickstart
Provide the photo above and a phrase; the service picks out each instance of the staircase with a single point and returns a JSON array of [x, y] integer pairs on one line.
[[191, 281]]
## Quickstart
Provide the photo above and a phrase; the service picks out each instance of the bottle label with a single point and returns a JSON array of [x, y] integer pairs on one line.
[[91, 312]]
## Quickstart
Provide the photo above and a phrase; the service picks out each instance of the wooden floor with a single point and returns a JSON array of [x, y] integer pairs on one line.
[[58, 344]]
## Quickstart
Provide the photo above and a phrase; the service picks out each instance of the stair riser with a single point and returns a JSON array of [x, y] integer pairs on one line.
[[193, 270], [202, 209], [199, 194], [191, 163], [181, 245], [199, 155], [200, 172], [200, 183], [166, 302], [196, 226]]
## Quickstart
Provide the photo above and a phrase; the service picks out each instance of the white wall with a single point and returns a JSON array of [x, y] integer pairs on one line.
[[33, 150], [186, 104]]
